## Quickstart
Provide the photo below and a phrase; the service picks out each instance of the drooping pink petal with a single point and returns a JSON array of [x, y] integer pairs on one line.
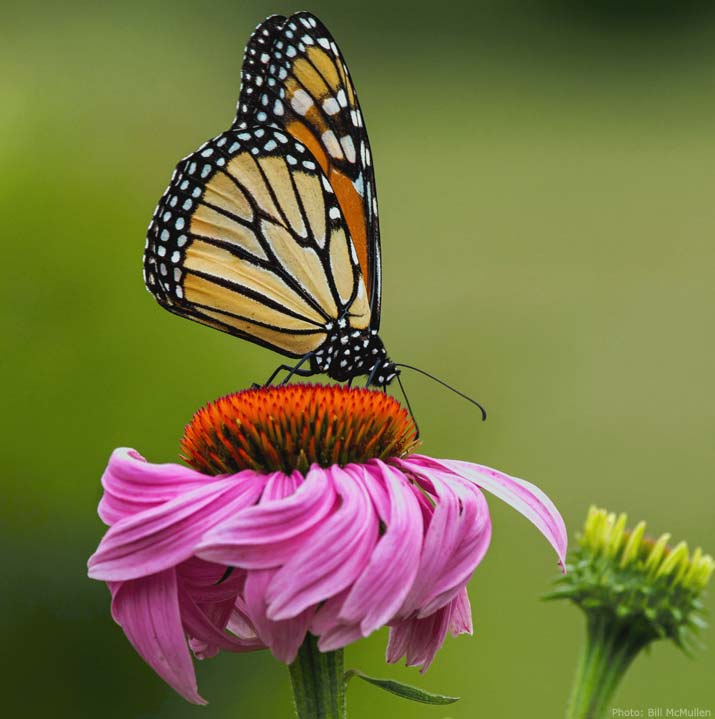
[[207, 602], [419, 640], [383, 585], [460, 620], [336, 554], [208, 582], [166, 535], [206, 624], [283, 637], [456, 539], [523, 496], [148, 611], [332, 633], [132, 485], [269, 533], [327, 615], [239, 623], [340, 636]]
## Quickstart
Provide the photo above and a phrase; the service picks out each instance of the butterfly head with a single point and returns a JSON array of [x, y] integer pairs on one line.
[[349, 353]]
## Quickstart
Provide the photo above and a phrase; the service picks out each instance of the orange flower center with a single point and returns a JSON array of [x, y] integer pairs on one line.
[[293, 426]]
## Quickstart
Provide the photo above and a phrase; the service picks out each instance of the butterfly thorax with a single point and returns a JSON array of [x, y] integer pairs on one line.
[[349, 353]]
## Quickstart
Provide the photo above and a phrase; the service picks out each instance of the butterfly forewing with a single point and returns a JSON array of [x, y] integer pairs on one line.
[[249, 238], [294, 77]]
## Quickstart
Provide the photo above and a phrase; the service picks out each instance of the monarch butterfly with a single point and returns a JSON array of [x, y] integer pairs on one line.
[[269, 231]]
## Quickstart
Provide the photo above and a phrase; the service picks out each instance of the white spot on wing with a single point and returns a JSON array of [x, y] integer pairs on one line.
[[359, 185], [301, 102], [348, 147], [331, 142], [330, 105]]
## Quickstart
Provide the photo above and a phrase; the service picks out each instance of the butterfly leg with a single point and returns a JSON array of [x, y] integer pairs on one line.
[[276, 372], [297, 370], [291, 370], [370, 377], [269, 381]]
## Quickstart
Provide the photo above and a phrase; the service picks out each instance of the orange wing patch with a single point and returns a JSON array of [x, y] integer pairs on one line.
[[296, 79], [351, 204]]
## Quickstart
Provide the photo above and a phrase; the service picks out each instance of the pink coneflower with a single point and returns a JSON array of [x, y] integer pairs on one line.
[[305, 514]]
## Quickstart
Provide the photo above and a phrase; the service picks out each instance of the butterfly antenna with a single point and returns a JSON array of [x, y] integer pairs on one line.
[[444, 384], [409, 407]]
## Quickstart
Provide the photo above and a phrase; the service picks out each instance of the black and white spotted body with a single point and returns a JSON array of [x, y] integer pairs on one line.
[[347, 353]]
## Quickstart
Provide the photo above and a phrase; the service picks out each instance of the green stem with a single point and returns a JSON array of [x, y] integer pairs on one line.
[[318, 682], [610, 649]]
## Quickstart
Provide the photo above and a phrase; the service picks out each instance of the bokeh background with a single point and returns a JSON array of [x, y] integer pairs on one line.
[[546, 173]]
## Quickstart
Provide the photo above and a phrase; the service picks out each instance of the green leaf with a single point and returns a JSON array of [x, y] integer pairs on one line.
[[406, 691]]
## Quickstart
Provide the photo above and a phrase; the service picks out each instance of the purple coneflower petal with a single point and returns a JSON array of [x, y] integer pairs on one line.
[[283, 637], [207, 582], [390, 572], [284, 511], [334, 557], [205, 625], [268, 534], [148, 611], [523, 496], [460, 621], [339, 636], [457, 538], [164, 536], [132, 485], [419, 640], [207, 604], [332, 633], [239, 623]]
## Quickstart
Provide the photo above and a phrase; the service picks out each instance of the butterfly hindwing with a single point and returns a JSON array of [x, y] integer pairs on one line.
[[295, 78], [249, 238]]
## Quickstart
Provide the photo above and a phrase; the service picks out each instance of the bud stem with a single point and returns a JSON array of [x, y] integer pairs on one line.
[[318, 682], [610, 649]]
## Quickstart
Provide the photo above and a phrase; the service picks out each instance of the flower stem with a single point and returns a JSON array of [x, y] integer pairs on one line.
[[318, 682], [610, 649]]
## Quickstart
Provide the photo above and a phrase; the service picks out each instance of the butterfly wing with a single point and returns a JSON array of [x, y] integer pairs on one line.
[[294, 77], [249, 239]]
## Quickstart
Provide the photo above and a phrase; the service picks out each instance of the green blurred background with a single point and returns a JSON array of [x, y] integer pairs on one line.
[[546, 173]]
